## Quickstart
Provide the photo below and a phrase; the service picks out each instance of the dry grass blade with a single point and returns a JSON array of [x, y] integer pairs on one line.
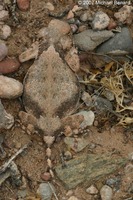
[[126, 121], [128, 70]]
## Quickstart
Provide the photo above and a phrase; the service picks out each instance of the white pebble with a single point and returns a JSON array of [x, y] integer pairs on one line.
[[73, 198], [130, 156], [5, 31], [10, 88], [69, 193], [100, 21], [88, 118], [49, 6], [92, 190], [4, 15], [106, 193]]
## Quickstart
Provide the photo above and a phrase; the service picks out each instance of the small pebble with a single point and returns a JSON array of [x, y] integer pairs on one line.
[[4, 15], [92, 190], [43, 32], [86, 97], [5, 31], [66, 42], [10, 88], [74, 28], [30, 127], [114, 182], [124, 14], [6, 119], [129, 169], [44, 191], [77, 144], [72, 59], [88, 118], [9, 65], [1, 7], [92, 146], [69, 193], [71, 21], [96, 123], [84, 17], [46, 176], [18, 145], [112, 24], [49, 6], [30, 53], [82, 28], [100, 21], [3, 51], [70, 15], [73, 198], [59, 26], [76, 8], [23, 5], [68, 155], [130, 156], [106, 193]]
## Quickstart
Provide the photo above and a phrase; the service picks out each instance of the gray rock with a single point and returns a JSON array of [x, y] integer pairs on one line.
[[100, 21], [81, 143], [6, 120], [88, 169], [88, 40], [114, 182], [106, 193], [88, 118], [102, 104], [21, 194], [86, 97], [44, 191], [120, 43], [10, 88]]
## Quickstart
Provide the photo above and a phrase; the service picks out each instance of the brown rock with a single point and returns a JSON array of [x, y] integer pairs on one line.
[[72, 59], [9, 65], [70, 15], [57, 29], [3, 51], [112, 24], [66, 42], [30, 53], [23, 5], [46, 176]]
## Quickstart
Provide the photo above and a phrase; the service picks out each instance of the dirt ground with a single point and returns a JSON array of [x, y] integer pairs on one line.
[[32, 163]]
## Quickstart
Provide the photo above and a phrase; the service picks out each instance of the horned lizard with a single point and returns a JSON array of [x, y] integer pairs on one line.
[[50, 93]]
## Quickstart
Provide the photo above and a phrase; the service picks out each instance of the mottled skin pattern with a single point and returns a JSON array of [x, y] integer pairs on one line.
[[50, 91]]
